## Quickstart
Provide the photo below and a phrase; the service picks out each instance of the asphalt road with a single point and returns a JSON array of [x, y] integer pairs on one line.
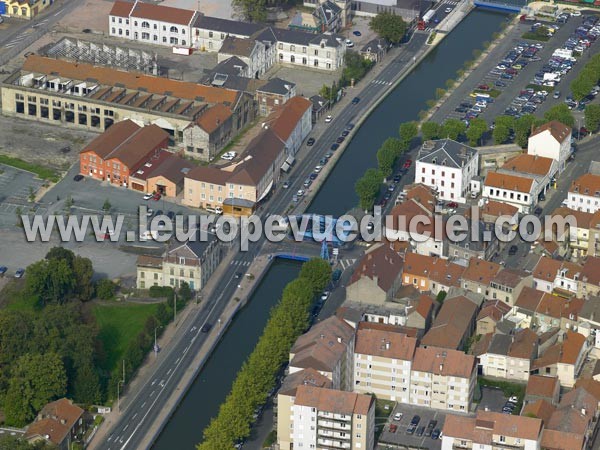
[[141, 408]]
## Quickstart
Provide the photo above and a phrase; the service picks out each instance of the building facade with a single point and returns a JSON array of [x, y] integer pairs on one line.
[[552, 140]]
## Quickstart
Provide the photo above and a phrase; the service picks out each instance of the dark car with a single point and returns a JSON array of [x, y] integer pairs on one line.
[[460, 109], [357, 33], [334, 147], [411, 429], [466, 105], [350, 126], [313, 176], [206, 328], [238, 275], [171, 215], [3, 270], [415, 420], [430, 427], [420, 431], [538, 211], [436, 434], [310, 142], [397, 178], [500, 83], [78, 177], [452, 205], [583, 132], [345, 133], [340, 139], [513, 250], [355, 100]]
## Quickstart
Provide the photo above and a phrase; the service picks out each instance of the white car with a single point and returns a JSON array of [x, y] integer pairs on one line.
[[148, 196], [576, 14], [328, 119], [318, 169], [324, 296], [448, 10], [300, 193], [349, 43], [228, 156], [398, 417]]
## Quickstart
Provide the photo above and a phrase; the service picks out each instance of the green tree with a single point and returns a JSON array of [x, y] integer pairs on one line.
[[50, 280], [592, 117], [356, 67], [562, 113], [185, 293], [36, 380], [523, 127], [86, 385], [542, 31], [386, 158], [408, 132], [581, 87], [105, 289], [389, 26], [106, 206], [61, 253], [252, 10], [503, 126], [450, 83], [325, 92], [367, 187], [163, 314], [439, 93], [83, 271], [453, 129], [431, 130], [477, 129], [8, 442], [317, 272]]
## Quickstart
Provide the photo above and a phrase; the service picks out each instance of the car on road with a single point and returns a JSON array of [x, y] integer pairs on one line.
[[285, 185], [19, 273], [156, 196], [148, 196], [238, 275], [313, 176], [3, 270], [318, 169], [206, 328], [556, 94], [513, 250], [334, 147], [78, 177], [355, 100], [328, 119], [345, 133], [396, 178], [325, 296], [228, 156], [310, 142], [149, 212], [452, 205], [300, 193], [398, 416], [307, 182], [340, 140], [357, 33], [350, 127], [407, 164], [448, 10], [349, 43]]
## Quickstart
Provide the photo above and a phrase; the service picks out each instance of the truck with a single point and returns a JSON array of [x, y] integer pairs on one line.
[[426, 19]]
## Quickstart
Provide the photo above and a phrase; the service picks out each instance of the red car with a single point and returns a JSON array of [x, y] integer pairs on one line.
[[483, 87], [407, 164], [452, 205], [393, 428], [156, 196]]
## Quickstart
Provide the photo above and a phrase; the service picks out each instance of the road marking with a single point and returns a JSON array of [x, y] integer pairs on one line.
[[151, 393], [125, 429], [169, 371], [134, 416], [57, 13], [143, 404]]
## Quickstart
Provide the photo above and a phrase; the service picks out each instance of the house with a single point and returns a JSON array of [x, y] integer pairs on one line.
[[519, 191], [317, 410], [539, 409], [375, 50], [552, 140], [584, 193], [445, 275], [442, 378], [447, 166], [453, 325], [210, 133], [416, 270], [210, 32], [163, 173], [590, 277], [292, 123], [419, 312], [492, 312], [554, 311], [510, 356], [589, 321], [491, 430], [25, 9], [541, 387], [120, 151], [273, 94], [376, 278], [59, 423], [285, 401], [560, 440], [563, 359], [545, 273], [382, 364], [479, 275], [475, 241], [151, 24], [327, 16], [492, 211], [507, 285], [527, 304], [319, 107], [543, 170], [252, 52], [192, 262], [327, 347], [574, 229]]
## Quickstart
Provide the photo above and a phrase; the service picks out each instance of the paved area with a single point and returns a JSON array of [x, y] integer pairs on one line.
[[215, 8], [491, 399]]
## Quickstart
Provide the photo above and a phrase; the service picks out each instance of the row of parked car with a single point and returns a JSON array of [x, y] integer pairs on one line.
[[18, 273], [429, 431]]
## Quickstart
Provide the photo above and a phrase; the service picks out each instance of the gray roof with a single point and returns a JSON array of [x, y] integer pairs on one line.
[[446, 152], [230, 66], [480, 243], [197, 246], [591, 309], [227, 26], [237, 46], [594, 168], [272, 34], [277, 86], [318, 102], [505, 327], [327, 11], [500, 344], [374, 45]]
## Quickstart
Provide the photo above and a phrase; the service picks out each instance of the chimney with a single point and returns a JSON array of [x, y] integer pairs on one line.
[[339, 339], [583, 411], [322, 336]]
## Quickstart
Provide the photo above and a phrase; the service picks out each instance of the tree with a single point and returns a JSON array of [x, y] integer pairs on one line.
[[36, 380], [50, 280], [431, 130], [408, 132], [356, 68], [386, 158], [581, 87], [61, 253], [105, 289], [106, 206], [83, 270], [542, 31], [252, 10], [325, 92], [185, 293], [317, 272], [8, 442], [523, 127], [439, 93], [592, 117], [389, 26], [86, 385], [450, 83], [367, 187], [562, 113], [162, 314], [477, 129], [453, 128]]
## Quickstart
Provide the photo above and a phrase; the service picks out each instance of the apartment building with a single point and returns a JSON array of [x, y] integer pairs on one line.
[[382, 363], [542, 169], [491, 430], [448, 167], [508, 284], [326, 418], [519, 191], [563, 359], [442, 379], [584, 193], [551, 140], [510, 356], [492, 312], [590, 277], [192, 262], [578, 232], [479, 275], [453, 324]]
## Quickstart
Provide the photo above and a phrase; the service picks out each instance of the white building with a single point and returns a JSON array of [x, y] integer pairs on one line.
[[515, 190], [584, 193], [447, 166], [552, 140], [510, 357], [491, 430], [152, 24]]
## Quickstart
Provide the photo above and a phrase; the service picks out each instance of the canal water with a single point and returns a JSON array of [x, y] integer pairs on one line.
[[213, 383], [337, 196]]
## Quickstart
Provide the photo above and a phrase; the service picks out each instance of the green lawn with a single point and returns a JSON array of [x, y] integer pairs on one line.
[[44, 173], [119, 324]]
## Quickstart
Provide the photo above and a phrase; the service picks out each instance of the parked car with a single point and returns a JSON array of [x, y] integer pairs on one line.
[[78, 177], [307, 182], [349, 43], [3, 270], [334, 147], [340, 139], [436, 434], [355, 100], [430, 427], [300, 193], [415, 420], [328, 119], [285, 185], [398, 416], [420, 431], [325, 296], [407, 164], [19, 273], [310, 142], [156, 196], [148, 196], [357, 33], [393, 428]]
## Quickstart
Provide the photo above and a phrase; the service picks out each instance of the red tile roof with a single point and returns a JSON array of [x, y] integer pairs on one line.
[[381, 264], [586, 184], [214, 117], [442, 361], [121, 9], [559, 131], [286, 118], [385, 344], [163, 13], [533, 164], [509, 182], [541, 386], [540, 409], [452, 323], [55, 421]]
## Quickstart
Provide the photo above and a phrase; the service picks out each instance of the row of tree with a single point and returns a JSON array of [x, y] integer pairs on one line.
[[288, 320], [587, 78], [455, 129]]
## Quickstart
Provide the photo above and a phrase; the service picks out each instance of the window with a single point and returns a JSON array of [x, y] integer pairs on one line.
[[210, 34], [145, 35], [174, 30], [145, 24]]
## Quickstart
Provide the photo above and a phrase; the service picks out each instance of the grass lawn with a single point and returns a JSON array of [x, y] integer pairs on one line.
[[530, 35], [44, 173], [119, 324]]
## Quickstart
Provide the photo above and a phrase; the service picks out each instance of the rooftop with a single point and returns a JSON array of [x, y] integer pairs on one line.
[[305, 377], [332, 401], [55, 421], [446, 152], [452, 323], [487, 424], [530, 164], [382, 264], [509, 182], [443, 361], [587, 184], [385, 344], [559, 131]]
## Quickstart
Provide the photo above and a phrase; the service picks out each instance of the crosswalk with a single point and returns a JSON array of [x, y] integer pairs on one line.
[[16, 41], [346, 263], [381, 82], [237, 262]]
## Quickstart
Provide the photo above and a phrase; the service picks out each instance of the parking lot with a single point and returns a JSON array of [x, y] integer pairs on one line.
[[401, 437], [15, 188], [510, 67]]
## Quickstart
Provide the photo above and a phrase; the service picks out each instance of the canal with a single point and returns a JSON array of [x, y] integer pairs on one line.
[[213, 383], [337, 196]]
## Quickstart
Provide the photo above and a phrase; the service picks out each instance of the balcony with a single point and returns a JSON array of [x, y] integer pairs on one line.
[[342, 426], [332, 444]]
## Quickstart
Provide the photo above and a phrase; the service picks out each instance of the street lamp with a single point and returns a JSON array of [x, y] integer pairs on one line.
[[119, 395], [156, 346]]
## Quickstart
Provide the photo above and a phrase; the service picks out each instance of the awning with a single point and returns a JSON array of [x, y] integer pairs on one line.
[[266, 191]]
